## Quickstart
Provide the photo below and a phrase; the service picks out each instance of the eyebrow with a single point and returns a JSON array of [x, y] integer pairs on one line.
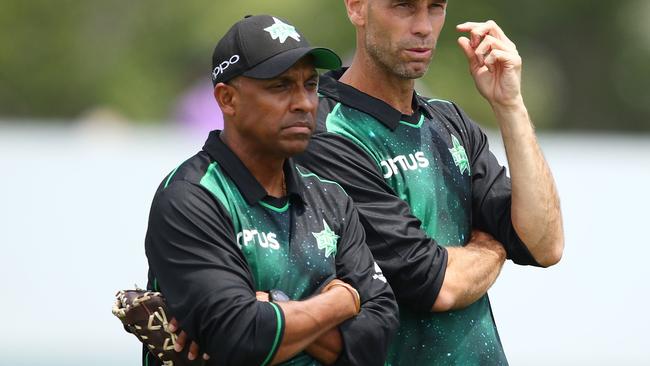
[[413, 1], [285, 78]]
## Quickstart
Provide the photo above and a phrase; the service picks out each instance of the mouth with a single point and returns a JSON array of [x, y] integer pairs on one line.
[[300, 127], [419, 53]]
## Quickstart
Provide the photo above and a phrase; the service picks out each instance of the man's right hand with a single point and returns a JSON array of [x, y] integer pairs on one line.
[[482, 239], [471, 270]]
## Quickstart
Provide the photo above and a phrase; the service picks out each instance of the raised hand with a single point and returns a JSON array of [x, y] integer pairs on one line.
[[494, 63]]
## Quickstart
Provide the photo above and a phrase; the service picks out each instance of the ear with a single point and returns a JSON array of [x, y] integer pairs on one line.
[[227, 97], [356, 11]]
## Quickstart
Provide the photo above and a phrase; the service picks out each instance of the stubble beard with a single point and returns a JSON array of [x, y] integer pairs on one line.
[[387, 59]]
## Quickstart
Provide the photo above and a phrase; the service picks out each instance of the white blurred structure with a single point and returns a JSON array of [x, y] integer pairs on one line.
[[73, 213]]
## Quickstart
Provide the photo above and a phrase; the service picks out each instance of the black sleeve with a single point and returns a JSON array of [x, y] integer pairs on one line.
[[377, 321], [413, 263], [205, 279], [492, 194]]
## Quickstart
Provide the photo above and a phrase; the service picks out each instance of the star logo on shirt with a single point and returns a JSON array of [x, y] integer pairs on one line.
[[281, 31], [459, 155], [326, 239]]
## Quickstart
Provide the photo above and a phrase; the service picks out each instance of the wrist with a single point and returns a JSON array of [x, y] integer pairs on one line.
[[349, 289], [513, 120], [512, 106]]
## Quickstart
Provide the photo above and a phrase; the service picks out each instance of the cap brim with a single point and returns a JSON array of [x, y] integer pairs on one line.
[[324, 58]]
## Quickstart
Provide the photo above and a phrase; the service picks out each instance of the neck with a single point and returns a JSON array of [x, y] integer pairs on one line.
[[267, 170], [367, 76]]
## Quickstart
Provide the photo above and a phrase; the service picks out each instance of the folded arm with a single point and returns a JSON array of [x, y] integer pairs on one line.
[[308, 320], [192, 253], [471, 271], [418, 269]]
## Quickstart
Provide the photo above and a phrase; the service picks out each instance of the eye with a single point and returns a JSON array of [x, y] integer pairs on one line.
[[312, 84], [278, 86]]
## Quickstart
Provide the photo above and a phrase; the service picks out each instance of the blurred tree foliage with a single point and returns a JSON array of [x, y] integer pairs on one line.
[[586, 63]]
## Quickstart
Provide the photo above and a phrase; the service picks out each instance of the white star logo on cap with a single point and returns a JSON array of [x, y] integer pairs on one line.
[[280, 30]]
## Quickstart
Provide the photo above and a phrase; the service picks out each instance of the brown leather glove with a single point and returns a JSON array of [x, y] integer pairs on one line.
[[144, 314]]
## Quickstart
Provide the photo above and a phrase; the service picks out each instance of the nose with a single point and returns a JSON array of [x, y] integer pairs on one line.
[[422, 24], [304, 100]]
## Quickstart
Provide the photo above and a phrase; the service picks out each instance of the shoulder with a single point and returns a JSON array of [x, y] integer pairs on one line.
[[453, 116], [335, 156], [189, 185], [327, 107], [313, 181], [182, 196], [191, 170], [325, 103], [325, 197], [443, 108]]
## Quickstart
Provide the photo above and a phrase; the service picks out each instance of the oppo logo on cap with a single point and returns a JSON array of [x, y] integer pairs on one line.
[[221, 68]]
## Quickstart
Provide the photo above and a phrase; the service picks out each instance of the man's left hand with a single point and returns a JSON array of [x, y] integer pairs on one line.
[[181, 340], [494, 63]]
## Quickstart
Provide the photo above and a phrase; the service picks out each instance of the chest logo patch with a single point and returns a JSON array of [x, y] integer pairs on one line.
[[327, 240], [281, 31], [459, 155], [264, 240], [393, 166]]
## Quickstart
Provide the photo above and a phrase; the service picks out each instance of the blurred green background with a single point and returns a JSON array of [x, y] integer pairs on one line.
[[586, 63]]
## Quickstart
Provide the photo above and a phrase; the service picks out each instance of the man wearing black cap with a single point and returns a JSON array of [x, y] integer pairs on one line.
[[422, 177], [262, 261]]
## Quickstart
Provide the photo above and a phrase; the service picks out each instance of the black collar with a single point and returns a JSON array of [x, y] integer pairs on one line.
[[249, 187], [330, 86]]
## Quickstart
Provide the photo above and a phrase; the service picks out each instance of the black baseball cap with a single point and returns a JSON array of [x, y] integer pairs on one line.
[[263, 47]]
